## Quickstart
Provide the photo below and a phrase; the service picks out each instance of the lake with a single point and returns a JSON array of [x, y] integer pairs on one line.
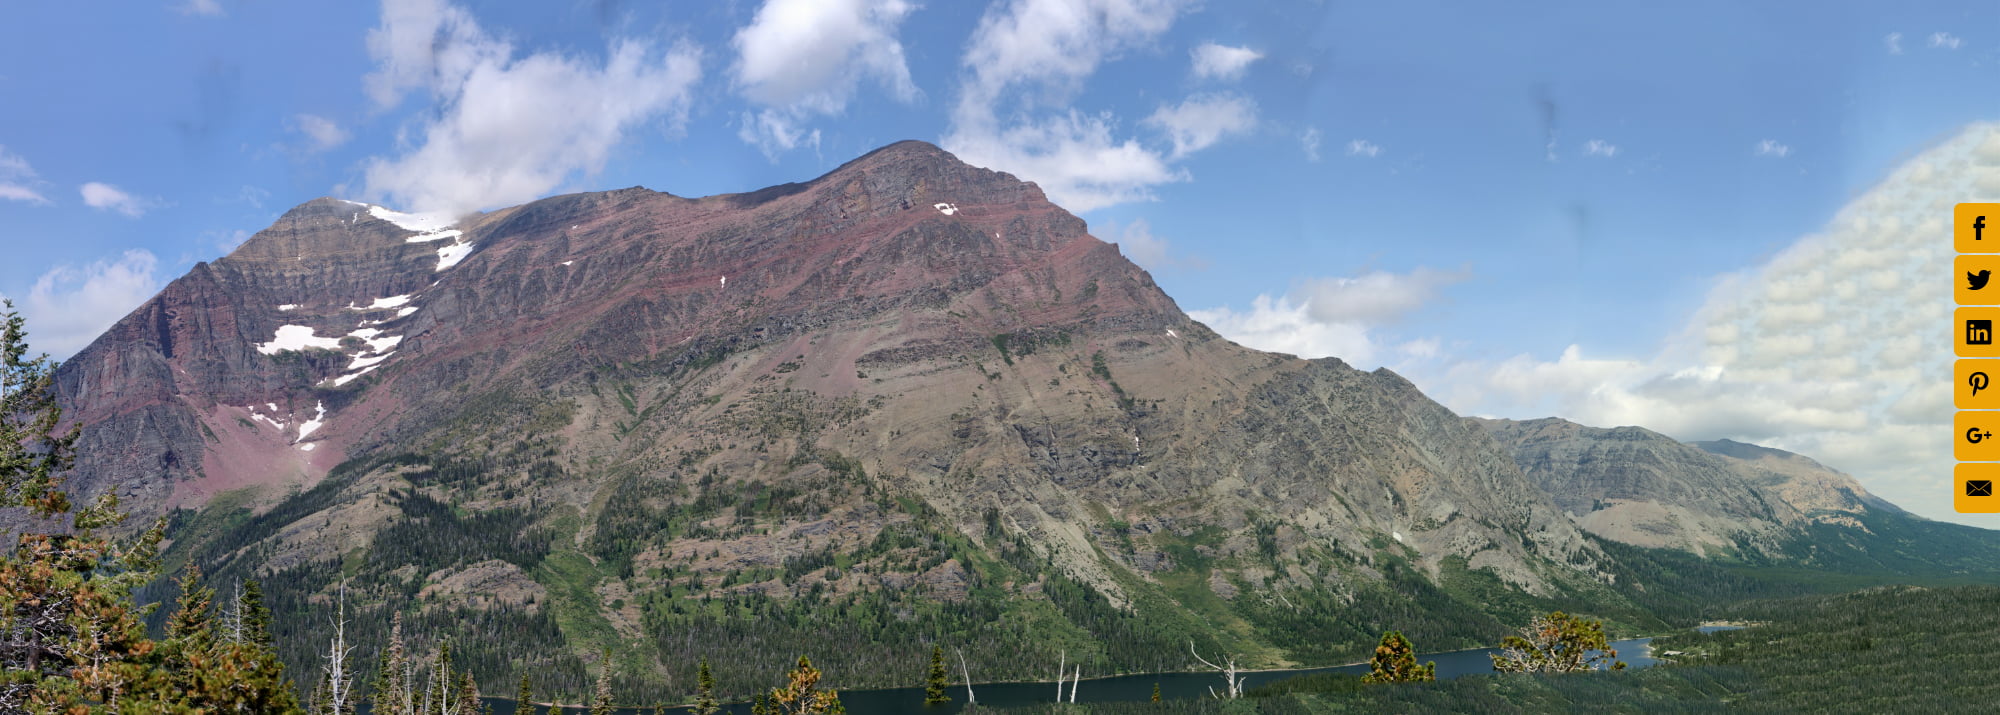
[[1636, 653]]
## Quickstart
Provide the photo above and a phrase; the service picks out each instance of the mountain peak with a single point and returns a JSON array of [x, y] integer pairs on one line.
[[918, 159], [911, 148]]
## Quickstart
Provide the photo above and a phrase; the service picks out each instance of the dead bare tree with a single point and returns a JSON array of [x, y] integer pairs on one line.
[[232, 615], [1062, 669], [339, 676], [1074, 682], [967, 673], [1228, 674]]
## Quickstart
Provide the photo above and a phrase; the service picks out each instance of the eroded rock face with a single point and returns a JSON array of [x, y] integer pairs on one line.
[[159, 393], [785, 378]]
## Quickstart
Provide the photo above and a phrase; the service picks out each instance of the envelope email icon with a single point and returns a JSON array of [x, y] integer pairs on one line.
[[1979, 487]]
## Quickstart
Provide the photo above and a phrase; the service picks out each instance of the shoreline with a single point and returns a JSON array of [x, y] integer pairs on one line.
[[1239, 671], [1243, 671]]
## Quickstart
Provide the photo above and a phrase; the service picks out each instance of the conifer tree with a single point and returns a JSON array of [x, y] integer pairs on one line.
[[1557, 643], [395, 681], [801, 694], [203, 670], [316, 703], [190, 625], [469, 702], [1156, 691], [255, 615], [248, 668], [75, 641], [600, 704], [704, 693], [523, 696], [934, 687], [1395, 661]]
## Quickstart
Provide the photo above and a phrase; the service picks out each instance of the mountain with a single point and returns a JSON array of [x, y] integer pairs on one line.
[[908, 401], [1640, 487]]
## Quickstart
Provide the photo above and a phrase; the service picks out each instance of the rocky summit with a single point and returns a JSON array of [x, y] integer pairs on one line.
[[909, 401]]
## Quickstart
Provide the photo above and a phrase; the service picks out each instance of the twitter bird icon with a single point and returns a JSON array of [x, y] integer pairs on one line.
[[1976, 281]]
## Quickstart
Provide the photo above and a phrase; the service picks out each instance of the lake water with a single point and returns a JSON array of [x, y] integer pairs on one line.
[[1635, 652]]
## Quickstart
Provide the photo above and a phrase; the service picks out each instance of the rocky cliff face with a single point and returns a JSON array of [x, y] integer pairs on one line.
[[179, 401], [907, 382], [989, 352]]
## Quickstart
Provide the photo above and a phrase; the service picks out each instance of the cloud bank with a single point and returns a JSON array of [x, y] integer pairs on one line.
[[1835, 347], [1028, 58], [804, 58], [508, 128], [1335, 317], [70, 306]]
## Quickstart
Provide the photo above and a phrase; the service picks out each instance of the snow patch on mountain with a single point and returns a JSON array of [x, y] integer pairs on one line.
[[450, 255], [297, 337], [318, 420], [420, 223], [394, 301], [363, 362]]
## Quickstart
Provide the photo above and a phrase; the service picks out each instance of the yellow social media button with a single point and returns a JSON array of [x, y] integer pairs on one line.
[[1975, 228], [1973, 489], [1974, 327], [1975, 384], [1973, 436], [1972, 278]]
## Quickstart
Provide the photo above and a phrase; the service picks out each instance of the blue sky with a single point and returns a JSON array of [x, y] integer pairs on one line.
[[1528, 208]]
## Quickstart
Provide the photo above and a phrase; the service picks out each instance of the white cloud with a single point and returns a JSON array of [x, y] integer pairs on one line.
[[1073, 157], [1600, 147], [1137, 242], [253, 196], [775, 132], [1376, 298], [1363, 148], [1222, 62], [226, 242], [1202, 120], [1894, 41], [324, 133], [1057, 43], [1771, 147], [509, 129], [68, 306], [1945, 40], [800, 58], [105, 197], [1333, 317], [208, 8], [1029, 56], [1284, 326], [16, 179], [1829, 348], [1309, 143]]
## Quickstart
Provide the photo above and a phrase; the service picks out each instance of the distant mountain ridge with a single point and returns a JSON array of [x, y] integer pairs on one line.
[[908, 400], [1644, 488]]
